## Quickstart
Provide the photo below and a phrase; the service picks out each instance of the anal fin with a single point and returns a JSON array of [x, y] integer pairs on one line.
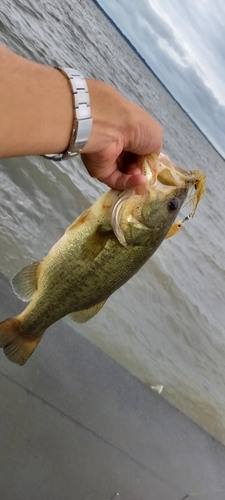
[[86, 314]]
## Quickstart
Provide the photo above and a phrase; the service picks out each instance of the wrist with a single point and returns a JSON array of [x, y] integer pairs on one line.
[[110, 114], [82, 121]]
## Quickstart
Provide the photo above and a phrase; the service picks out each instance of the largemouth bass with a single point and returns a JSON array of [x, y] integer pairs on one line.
[[98, 253]]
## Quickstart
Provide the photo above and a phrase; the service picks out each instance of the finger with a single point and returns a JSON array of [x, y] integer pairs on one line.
[[120, 181], [136, 180], [132, 169]]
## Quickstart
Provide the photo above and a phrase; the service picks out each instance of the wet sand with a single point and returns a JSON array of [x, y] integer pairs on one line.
[[75, 425]]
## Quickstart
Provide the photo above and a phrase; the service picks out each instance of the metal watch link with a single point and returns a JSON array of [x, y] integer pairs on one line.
[[82, 121]]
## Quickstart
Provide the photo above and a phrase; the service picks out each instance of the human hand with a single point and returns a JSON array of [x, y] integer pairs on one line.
[[121, 132], [37, 111]]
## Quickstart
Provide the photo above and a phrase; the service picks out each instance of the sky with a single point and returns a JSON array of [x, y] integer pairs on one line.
[[183, 42]]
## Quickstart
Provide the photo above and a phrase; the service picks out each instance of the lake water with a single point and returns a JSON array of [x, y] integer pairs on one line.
[[166, 325]]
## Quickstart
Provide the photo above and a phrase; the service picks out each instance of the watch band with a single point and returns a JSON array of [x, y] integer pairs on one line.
[[82, 121]]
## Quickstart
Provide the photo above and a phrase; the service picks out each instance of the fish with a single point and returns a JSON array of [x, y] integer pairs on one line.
[[99, 252]]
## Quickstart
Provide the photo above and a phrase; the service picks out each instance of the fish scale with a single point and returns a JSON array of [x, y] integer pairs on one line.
[[98, 253]]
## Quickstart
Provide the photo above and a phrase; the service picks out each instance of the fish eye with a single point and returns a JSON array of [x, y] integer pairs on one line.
[[173, 204]]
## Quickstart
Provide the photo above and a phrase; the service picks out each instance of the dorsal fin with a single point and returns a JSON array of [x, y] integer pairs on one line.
[[24, 283]]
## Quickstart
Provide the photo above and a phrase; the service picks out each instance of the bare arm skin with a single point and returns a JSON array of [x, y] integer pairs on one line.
[[36, 118]]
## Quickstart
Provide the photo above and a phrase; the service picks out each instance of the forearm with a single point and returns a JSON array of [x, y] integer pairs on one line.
[[36, 111], [36, 118]]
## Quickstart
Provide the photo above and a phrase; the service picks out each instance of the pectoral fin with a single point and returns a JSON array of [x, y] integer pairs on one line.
[[96, 240], [86, 314], [24, 283], [80, 220], [94, 245]]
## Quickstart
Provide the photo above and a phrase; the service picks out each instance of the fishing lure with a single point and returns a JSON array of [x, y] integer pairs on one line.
[[199, 187], [194, 199]]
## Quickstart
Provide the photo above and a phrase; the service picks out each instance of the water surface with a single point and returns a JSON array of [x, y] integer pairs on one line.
[[166, 326]]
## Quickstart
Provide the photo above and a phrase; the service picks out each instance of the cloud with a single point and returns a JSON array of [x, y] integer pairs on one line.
[[141, 24], [183, 44], [199, 26]]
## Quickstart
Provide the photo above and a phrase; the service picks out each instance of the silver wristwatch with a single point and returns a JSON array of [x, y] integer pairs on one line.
[[82, 121]]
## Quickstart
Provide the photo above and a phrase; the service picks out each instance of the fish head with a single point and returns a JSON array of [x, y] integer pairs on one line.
[[145, 214]]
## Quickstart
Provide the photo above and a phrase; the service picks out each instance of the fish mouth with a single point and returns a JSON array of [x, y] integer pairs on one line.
[[160, 169], [163, 177]]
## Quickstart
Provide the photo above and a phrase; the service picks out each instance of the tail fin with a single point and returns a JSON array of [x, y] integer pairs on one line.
[[16, 346]]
